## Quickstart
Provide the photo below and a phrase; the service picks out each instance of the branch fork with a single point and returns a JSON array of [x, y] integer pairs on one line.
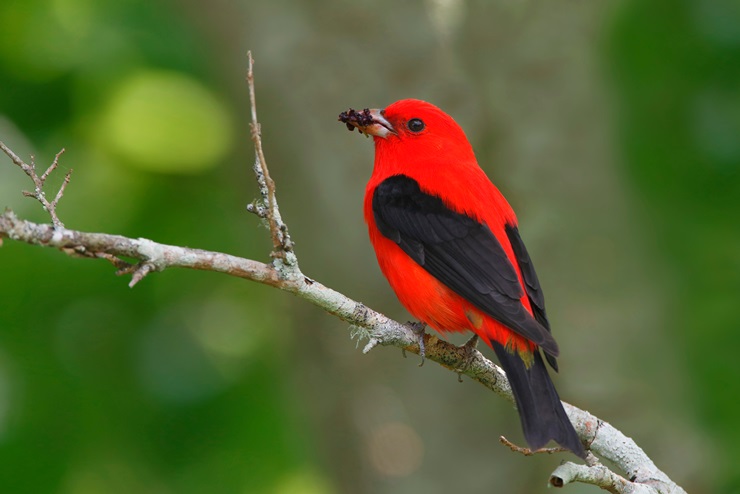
[[40, 181]]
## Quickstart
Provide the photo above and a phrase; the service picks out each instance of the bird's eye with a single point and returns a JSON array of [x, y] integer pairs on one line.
[[415, 125]]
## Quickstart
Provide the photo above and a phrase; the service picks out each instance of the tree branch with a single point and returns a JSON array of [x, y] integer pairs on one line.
[[283, 273]]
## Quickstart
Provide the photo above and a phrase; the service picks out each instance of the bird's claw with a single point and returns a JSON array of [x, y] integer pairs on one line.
[[418, 328], [469, 351]]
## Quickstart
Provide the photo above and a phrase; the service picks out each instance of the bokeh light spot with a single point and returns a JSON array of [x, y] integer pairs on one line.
[[172, 364], [304, 481], [74, 16], [166, 122], [395, 449]]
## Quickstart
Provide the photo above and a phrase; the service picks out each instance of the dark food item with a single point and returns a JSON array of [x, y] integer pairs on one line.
[[356, 119]]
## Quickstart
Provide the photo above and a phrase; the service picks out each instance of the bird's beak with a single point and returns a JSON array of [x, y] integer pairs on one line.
[[368, 122]]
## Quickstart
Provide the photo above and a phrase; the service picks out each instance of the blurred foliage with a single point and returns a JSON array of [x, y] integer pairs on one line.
[[677, 67], [611, 127], [167, 388]]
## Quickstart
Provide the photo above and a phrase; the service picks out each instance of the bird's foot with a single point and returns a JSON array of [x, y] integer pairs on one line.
[[418, 328], [469, 354]]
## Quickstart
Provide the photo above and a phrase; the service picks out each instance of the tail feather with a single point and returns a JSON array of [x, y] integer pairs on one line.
[[540, 410]]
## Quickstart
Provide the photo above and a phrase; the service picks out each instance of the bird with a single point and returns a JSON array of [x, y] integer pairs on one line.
[[448, 243]]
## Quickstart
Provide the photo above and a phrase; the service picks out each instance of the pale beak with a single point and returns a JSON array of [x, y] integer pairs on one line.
[[369, 122]]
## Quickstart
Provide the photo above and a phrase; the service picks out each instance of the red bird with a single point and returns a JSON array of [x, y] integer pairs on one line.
[[448, 243]]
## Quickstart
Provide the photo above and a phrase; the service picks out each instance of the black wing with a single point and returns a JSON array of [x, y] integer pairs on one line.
[[457, 250], [531, 282]]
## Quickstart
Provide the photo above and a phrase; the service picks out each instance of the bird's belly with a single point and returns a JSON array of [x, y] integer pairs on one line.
[[423, 295], [435, 304]]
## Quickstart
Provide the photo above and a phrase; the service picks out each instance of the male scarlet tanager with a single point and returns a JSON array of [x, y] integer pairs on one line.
[[448, 243]]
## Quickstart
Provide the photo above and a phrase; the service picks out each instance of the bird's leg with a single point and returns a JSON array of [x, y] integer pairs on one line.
[[469, 351], [418, 328]]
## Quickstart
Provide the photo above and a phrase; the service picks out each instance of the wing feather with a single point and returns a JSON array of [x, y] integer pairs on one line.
[[531, 282], [463, 254]]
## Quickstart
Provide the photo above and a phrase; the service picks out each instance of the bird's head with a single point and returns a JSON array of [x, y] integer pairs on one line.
[[412, 130]]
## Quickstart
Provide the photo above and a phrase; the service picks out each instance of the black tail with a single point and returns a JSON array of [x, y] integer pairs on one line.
[[542, 415]]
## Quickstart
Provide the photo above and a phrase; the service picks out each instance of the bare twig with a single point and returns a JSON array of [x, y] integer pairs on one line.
[[53, 205], [117, 262], [52, 167], [529, 452], [15, 159], [39, 181], [140, 271], [282, 245]]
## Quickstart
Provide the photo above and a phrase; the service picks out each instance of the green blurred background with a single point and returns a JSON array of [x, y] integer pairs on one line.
[[612, 127]]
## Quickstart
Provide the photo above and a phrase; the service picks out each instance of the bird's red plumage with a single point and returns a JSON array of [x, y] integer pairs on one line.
[[442, 161]]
